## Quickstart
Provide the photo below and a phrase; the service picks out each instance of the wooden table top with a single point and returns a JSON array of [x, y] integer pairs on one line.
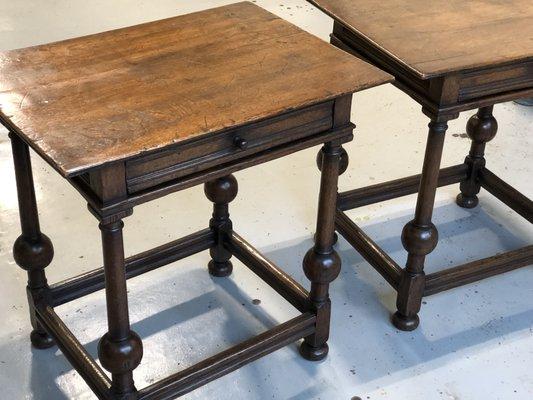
[[435, 37], [89, 101]]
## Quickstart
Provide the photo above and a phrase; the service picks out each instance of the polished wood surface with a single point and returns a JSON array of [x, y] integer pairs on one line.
[[89, 101], [433, 37], [449, 56], [33, 250], [159, 108]]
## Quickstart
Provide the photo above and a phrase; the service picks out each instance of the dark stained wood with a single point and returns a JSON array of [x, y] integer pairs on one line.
[[120, 350], [481, 128], [75, 353], [92, 281], [420, 236], [476, 84], [33, 251], [109, 97], [477, 270], [229, 360], [208, 152], [221, 192], [434, 38], [132, 115], [507, 194], [281, 282], [109, 183], [321, 263], [343, 134], [397, 188], [29, 215], [450, 56], [370, 251]]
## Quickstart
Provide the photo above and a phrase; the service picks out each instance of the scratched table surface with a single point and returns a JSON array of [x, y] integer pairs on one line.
[[112, 96]]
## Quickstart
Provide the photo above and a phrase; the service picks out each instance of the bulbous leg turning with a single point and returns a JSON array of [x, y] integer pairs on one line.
[[481, 128], [418, 241], [120, 350], [322, 264], [321, 269], [34, 255], [420, 236], [221, 192], [33, 251], [343, 162]]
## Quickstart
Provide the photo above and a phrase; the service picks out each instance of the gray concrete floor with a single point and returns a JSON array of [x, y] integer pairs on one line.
[[475, 342]]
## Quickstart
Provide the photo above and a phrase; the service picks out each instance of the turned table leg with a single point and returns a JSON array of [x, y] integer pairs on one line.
[[120, 349], [322, 264], [420, 236], [221, 192], [481, 128], [33, 250], [343, 166]]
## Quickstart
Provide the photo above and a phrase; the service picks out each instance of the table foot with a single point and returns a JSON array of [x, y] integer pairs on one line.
[[220, 269], [311, 353], [405, 323], [41, 340], [465, 201]]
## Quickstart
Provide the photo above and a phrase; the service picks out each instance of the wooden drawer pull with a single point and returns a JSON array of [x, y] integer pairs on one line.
[[240, 143]]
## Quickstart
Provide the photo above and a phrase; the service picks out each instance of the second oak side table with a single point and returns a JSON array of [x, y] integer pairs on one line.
[[450, 56], [131, 115]]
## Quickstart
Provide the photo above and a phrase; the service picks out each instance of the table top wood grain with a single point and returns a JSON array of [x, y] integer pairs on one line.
[[89, 101], [434, 37]]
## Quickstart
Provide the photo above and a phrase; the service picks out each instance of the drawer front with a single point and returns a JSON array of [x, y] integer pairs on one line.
[[206, 152], [479, 84]]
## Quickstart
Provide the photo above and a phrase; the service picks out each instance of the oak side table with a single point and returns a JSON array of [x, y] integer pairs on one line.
[[450, 56], [134, 114]]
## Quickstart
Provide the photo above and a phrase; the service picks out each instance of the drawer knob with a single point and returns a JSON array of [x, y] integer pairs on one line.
[[240, 143]]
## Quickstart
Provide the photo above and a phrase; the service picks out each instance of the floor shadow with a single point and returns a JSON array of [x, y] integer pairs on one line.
[[362, 336], [363, 301], [244, 321]]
